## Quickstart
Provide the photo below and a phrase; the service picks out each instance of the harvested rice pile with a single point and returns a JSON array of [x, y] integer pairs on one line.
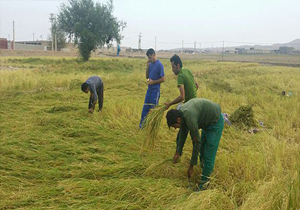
[[243, 117]]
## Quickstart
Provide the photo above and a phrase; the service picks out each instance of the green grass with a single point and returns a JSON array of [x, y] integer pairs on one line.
[[55, 155]]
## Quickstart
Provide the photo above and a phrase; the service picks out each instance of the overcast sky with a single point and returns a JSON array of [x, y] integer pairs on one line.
[[209, 22]]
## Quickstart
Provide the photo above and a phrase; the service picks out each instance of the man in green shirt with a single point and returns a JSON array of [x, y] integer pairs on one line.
[[185, 81], [190, 117]]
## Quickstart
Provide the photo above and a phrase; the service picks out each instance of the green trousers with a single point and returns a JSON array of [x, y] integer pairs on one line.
[[210, 138]]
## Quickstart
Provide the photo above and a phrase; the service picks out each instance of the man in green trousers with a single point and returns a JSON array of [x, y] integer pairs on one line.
[[195, 114]]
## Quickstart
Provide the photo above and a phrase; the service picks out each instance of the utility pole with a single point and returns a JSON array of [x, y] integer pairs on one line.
[[195, 47], [55, 42], [182, 47], [140, 42], [55, 36], [51, 20], [14, 35], [222, 50], [200, 48], [32, 36], [155, 44]]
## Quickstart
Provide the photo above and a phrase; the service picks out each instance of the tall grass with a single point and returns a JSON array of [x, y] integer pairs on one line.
[[151, 126], [54, 154]]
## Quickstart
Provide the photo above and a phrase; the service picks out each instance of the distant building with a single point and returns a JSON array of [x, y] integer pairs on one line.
[[252, 50], [31, 45], [24, 45], [3, 43], [285, 50], [240, 50], [132, 50], [257, 51]]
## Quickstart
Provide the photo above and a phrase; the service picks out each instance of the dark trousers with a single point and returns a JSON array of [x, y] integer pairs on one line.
[[100, 98]]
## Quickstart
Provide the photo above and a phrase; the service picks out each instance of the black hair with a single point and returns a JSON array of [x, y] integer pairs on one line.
[[176, 59], [84, 86], [150, 52], [172, 116]]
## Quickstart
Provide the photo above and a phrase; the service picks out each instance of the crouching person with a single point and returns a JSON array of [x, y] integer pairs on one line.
[[198, 113], [94, 85]]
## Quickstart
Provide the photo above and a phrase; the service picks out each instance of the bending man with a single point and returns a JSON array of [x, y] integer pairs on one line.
[[195, 114], [94, 85]]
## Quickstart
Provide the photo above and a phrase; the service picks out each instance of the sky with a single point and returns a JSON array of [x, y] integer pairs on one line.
[[172, 23]]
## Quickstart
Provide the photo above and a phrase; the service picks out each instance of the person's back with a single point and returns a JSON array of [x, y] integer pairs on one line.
[[94, 81], [186, 78], [205, 112]]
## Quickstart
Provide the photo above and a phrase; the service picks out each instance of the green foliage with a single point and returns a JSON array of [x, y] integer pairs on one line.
[[90, 25]]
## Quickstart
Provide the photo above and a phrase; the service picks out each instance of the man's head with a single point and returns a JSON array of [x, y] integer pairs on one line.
[[176, 64], [151, 55], [174, 118], [85, 87]]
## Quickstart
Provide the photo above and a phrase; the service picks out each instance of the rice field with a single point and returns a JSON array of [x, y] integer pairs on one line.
[[56, 155]]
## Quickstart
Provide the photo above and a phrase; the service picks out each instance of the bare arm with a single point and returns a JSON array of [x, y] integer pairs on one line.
[[180, 98], [153, 82], [147, 69], [91, 110]]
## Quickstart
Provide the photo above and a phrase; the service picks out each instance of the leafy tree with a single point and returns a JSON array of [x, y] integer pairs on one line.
[[90, 25]]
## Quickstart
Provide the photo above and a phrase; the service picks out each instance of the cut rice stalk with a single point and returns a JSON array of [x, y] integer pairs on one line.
[[151, 126]]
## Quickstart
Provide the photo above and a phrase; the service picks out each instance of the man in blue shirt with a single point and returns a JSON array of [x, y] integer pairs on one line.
[[94, 85], [154, 75]]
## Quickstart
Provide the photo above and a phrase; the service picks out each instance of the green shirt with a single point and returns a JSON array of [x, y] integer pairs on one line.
[[195, 114], [186, 78]]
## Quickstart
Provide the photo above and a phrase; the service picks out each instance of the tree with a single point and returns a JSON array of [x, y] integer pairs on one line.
[[90, 25]]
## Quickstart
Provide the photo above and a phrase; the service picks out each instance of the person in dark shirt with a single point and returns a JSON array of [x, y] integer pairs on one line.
[[95, 86], [198, 113]]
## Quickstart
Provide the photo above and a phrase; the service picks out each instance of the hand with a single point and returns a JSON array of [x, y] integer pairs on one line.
[[175, 158], [195, 141], [190, 171], [167, 104], [150, 81], [197, 86], [91, 110]]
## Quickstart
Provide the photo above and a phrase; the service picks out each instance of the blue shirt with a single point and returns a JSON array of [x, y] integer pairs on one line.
[[156, 71], [94, 84]]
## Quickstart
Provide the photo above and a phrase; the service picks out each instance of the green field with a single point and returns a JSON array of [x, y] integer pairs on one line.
[[55, 155]]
